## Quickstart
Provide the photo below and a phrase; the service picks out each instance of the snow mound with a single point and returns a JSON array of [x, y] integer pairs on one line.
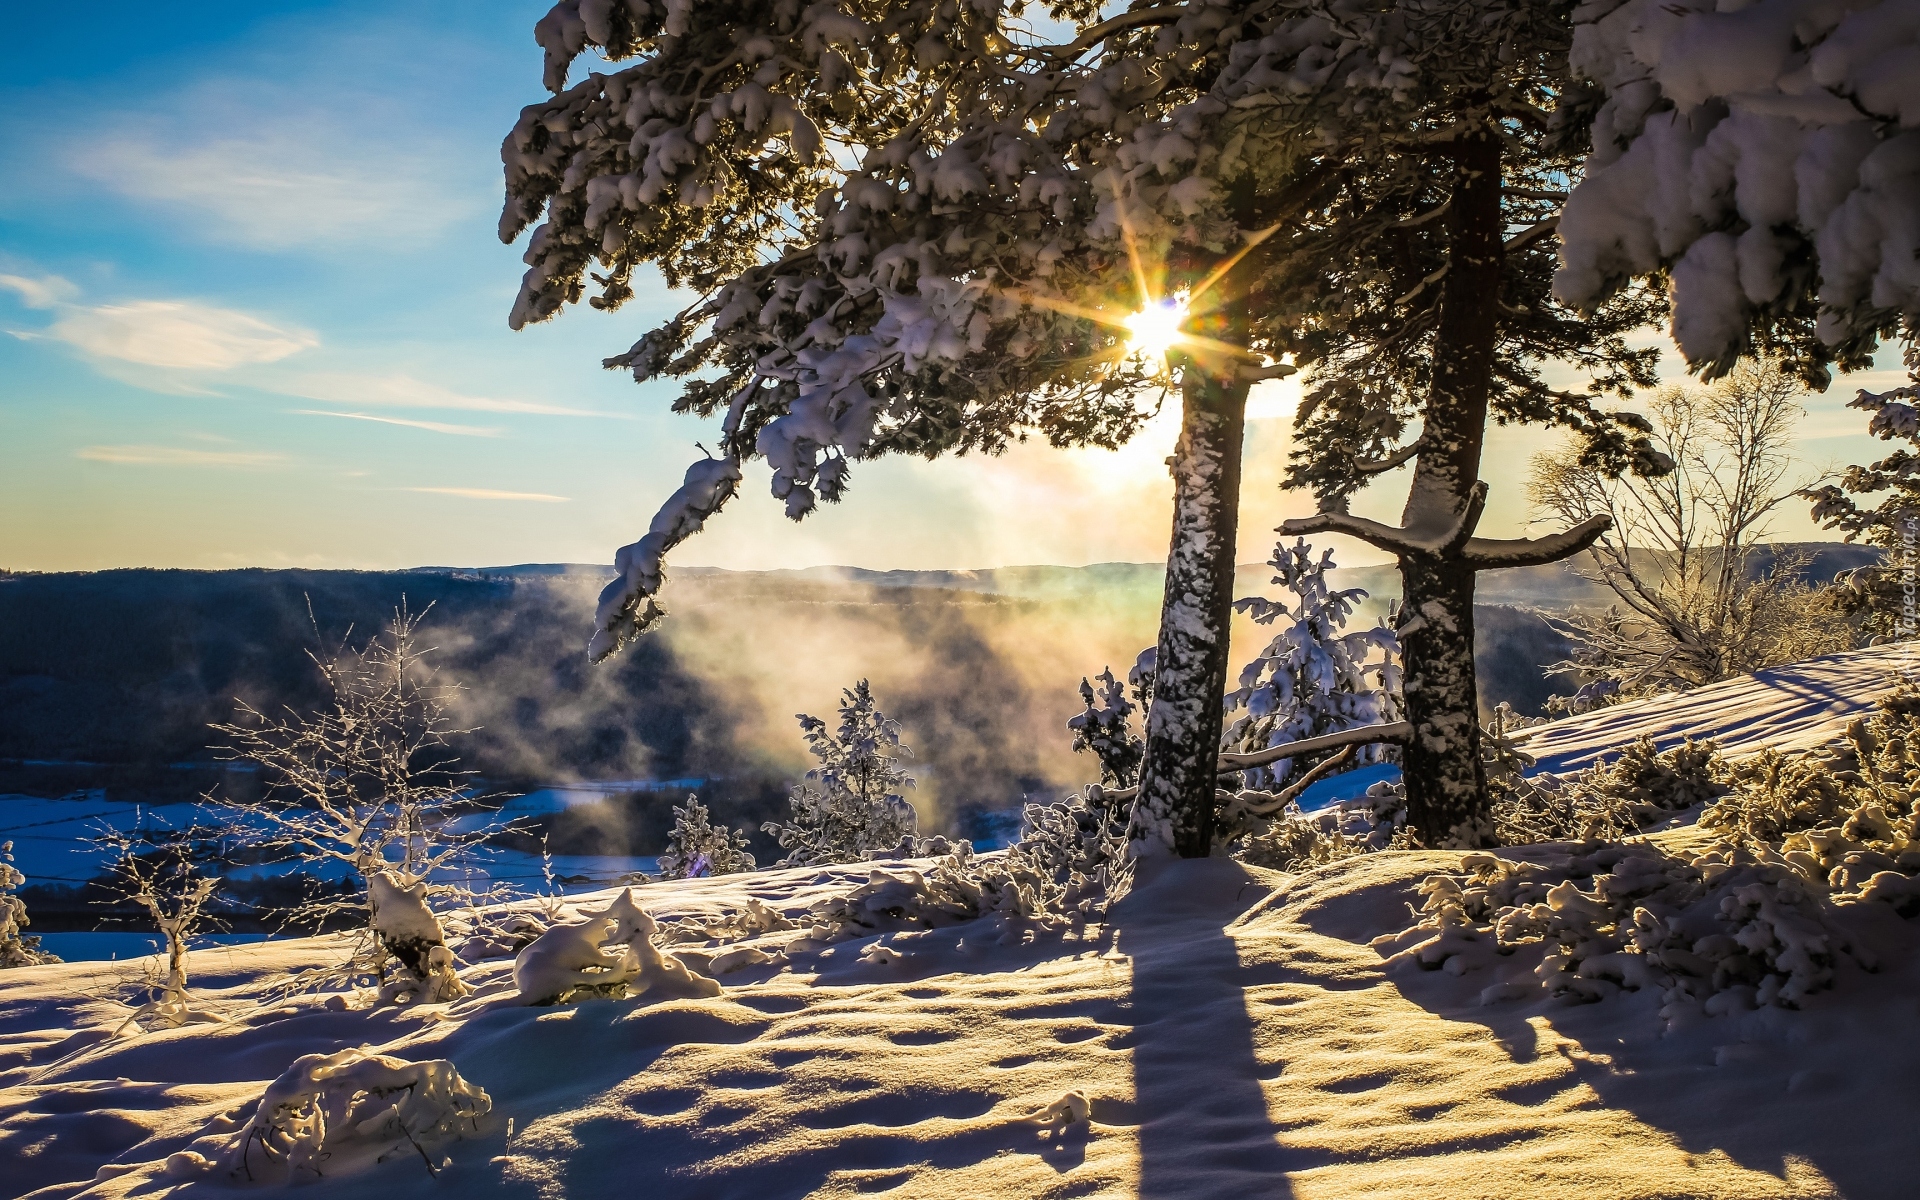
[[332, 1113]]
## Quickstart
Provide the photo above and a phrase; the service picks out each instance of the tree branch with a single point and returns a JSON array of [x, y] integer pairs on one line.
[[1093, 35], [1393, 538], [1271, 371], [1487, 553], [1398, 458], [1395, 732], [1531, 234]]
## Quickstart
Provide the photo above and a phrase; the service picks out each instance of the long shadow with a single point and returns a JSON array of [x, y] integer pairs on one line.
[[1760, 1087], [1204, 1129]]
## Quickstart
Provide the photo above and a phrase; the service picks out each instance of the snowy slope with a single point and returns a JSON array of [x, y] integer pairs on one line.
[[1235, 1032], [1795, 707]]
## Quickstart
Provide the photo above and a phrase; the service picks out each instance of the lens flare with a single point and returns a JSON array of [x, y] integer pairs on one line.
[[1155, 329]]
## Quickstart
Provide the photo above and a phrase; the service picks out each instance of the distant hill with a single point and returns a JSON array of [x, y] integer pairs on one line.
[[117, 673]]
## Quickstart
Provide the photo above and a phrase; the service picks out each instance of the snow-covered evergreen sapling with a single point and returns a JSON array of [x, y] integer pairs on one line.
[[697, 847], [16, 949], [1313, 677], [1106, 726], [852, 802]]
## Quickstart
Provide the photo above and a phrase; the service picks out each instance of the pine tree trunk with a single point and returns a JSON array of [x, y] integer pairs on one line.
[[1445, 780], [1174, 811]]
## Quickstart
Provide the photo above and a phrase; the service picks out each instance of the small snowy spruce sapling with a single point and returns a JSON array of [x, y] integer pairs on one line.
[[1105, 728], [697, 847], [1313, 678], [852, 802], [16, 949], [921, 228]]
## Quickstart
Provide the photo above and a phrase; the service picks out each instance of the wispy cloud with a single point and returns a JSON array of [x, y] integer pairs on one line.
[[179, 456], [44, 292], [404, 391], [177, 334], [491, 494], [281, 164], [431, 426]]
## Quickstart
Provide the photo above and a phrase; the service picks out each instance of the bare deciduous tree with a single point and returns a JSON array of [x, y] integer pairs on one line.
[[162, 874], [367, 781], [1681, 551]]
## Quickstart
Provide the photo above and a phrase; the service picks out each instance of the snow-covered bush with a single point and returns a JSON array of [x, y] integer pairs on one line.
[[610, 954], [16, 949], [1609, 800], [1844, 817], [1312, 678], [329, 1113], [1716, 932], [1300, 841], [407, 929], [954, 890], [697, 848], [367, 782], [851, 803]]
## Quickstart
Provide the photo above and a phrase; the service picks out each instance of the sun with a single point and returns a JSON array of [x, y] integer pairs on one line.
[[1155, 329]]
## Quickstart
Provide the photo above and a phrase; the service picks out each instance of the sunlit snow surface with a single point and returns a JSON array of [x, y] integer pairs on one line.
[[1235, 1031], [1236, 1035]]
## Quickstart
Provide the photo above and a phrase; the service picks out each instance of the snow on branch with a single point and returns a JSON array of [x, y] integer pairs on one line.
[[1365, 735], [1741, 145], [1488, 553], [627, 606], [1394, 538]]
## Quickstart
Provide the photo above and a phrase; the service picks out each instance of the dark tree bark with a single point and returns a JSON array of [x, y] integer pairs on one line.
[[1445, 779], [1174, 810]]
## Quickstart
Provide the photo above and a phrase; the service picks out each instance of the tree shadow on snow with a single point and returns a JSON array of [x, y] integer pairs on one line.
[[1203, 1123], [1757, 1087]]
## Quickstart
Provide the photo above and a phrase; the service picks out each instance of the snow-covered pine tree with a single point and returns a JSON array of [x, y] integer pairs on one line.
[[1879, 503], [853, 801], [1313, 678], [1000, 214], [696, 847], [16, 949], [1777, 185]]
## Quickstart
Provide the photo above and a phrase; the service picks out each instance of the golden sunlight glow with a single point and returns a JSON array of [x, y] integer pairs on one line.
[[1155, 329]]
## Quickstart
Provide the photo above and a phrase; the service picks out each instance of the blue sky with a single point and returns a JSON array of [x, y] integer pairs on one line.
[[257, 316]]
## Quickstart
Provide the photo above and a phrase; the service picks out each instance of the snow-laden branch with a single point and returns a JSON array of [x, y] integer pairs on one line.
[[627, 606], [1772, 179], [1488, 553], [1393, 538], [1365, 735]]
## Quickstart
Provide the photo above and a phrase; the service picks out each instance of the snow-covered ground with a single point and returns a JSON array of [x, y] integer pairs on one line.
[[1791, 708], [1235, 1032]]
